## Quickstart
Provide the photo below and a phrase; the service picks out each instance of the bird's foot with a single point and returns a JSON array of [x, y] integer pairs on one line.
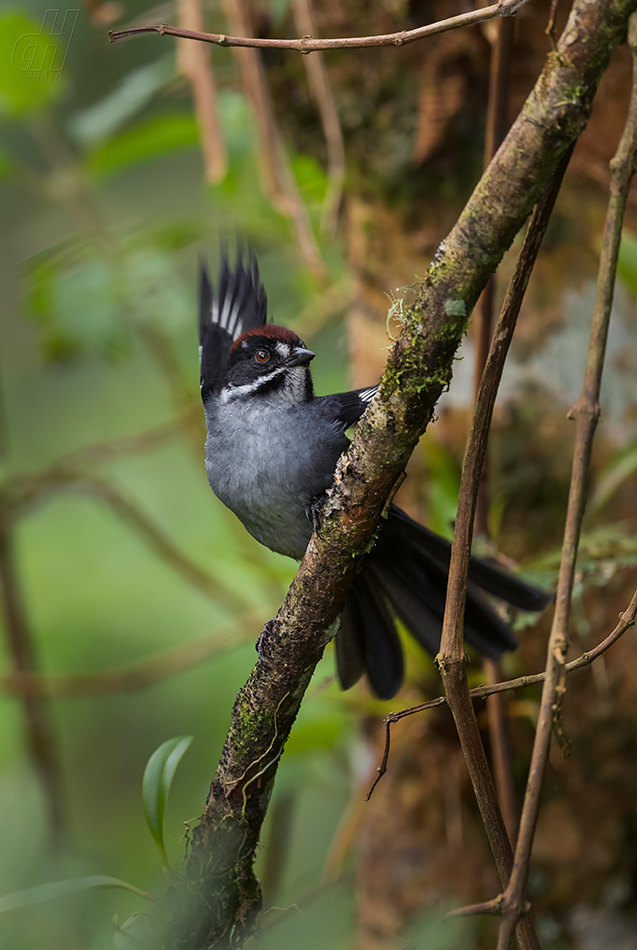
[[314, 512], [268, 628]]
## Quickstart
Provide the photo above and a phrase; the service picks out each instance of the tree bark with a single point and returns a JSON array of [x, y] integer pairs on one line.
[[217, 902]]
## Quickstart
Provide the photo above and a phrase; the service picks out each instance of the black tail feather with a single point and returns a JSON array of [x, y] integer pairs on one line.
[[350, 644], [486, 574], [369, 641], [408, 570]]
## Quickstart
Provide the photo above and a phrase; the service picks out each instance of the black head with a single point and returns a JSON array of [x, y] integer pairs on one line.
[[268, 363]]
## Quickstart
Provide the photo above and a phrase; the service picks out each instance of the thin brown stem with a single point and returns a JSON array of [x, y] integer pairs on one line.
[[194, 63], [496, 129], [586, 414], [451, 659], [278, 181], [497, 715], [323, 97], [308, 45]]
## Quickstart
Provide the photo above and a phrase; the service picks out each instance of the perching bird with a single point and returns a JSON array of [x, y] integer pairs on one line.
[[271, 454]]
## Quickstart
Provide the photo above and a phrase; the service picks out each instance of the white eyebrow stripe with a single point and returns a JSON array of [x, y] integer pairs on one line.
[[231, 392]]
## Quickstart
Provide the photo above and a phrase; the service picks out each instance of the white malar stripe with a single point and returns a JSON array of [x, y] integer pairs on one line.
[[231, 392]]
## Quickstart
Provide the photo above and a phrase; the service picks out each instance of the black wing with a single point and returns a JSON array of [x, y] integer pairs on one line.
[[238, 304], [345, 409]]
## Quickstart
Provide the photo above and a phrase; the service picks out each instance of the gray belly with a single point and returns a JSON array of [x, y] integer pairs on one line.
[[268, 479]]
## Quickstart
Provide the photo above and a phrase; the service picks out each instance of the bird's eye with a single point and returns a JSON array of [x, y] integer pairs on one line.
[[262, 356]]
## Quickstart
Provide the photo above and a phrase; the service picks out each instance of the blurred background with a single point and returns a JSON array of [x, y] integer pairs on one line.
[[132, 598]]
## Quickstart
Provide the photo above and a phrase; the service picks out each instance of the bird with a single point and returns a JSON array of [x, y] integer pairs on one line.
[[271, 452]]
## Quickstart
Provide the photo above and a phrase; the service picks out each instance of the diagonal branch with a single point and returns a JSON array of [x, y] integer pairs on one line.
[[219, 898]]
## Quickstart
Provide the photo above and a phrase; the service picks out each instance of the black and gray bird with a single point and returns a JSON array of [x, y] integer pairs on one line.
[[271, 454]]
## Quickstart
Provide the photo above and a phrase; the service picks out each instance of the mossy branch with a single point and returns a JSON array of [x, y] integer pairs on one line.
[[217, 902]]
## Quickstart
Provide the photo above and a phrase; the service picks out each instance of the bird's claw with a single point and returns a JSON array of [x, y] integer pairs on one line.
[[314, 512], [259, 644]]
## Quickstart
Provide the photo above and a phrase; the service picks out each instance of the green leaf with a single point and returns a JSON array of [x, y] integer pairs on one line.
[[621, 467], [57, 889], [136, 931], [158, 777], [143, 142], [101, 120], [31, 59], [443, 484], [627, 262]]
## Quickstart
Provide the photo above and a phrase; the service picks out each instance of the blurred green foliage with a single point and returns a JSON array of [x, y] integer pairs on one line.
[[105, 217]]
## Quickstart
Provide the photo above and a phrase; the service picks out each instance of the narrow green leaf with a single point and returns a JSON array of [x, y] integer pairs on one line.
[[143, 142], [621, 467], [158, 777], [627, 263], [100, 121], [57, 889]]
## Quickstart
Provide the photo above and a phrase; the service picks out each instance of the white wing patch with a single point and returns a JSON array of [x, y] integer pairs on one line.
[[366, 395]]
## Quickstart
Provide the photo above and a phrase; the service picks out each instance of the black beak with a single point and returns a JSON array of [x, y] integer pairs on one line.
[[300, 356]]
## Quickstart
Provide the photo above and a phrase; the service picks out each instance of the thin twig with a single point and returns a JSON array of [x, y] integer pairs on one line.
[[473, 910], [194, 62], [309, 45], [586, 414], [321, 90], [626, 621], [451, 659], [496, 129]]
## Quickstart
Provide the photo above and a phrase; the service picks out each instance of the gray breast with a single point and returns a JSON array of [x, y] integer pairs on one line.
[[268, 464]]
